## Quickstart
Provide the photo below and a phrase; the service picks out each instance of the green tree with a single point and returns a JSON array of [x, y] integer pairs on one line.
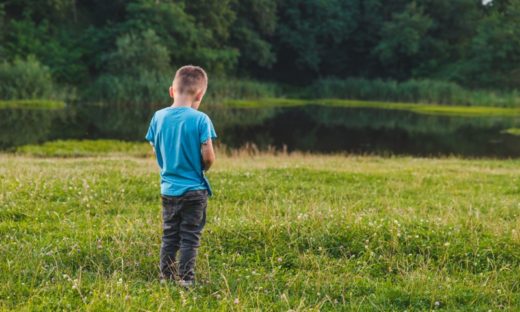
[[495, 49], [216, 16], [447, 45], [2, 34], [359, 62], [136, 72], [294, 41], [55, 47], [54, 10], [252, 33], [402, 38], [187, 41], [136, 53], [312, 36]]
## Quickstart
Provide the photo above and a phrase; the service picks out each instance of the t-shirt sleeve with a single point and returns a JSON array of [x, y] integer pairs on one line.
[[206, 130], [150, 135]]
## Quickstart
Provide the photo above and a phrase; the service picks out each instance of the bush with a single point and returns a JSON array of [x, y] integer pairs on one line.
[[417, 91], [25, 79], [136, 72], [413, 91], [147, 89], [221, 89]]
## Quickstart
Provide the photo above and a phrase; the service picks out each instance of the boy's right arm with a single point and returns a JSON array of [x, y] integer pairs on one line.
[[208, 154]]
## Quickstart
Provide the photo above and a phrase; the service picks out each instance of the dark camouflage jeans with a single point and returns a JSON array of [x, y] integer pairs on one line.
[[184, 218]]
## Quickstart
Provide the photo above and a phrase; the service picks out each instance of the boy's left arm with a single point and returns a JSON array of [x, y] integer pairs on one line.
[[208, 154], [150, 134], [207, 134]]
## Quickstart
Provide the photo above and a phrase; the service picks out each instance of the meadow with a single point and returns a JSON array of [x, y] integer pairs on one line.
[[285, 232]]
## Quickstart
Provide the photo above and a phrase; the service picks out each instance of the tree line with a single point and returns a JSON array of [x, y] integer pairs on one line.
[[106, 48]]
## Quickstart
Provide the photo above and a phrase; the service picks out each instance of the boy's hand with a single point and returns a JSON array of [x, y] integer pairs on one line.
[[208, 154]]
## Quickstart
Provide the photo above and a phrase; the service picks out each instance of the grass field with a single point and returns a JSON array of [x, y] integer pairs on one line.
[[284, 233]]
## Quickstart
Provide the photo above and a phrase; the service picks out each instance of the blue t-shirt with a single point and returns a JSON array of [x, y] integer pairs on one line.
[[177, 134]]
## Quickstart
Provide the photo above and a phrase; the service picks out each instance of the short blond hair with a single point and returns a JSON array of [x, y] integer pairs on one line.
[[190, 79]]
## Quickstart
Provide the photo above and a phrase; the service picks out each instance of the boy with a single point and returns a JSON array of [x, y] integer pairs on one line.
[[182, 140]]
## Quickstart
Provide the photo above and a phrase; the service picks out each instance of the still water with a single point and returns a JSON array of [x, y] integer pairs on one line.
[[316, 128]]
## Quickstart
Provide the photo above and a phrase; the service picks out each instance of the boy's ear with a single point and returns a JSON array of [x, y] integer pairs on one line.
[[172, 91], [199, 95]]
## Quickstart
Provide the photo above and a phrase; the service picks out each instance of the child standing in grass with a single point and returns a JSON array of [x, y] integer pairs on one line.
[[182, 140]]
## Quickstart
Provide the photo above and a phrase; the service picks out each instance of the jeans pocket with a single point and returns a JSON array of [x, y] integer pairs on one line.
[[168, 208], [194, 209]]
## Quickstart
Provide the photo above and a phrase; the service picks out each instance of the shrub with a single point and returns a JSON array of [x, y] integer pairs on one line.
[[136, 72], [413, 91], [144, 90], [221, 89], [25, 79]]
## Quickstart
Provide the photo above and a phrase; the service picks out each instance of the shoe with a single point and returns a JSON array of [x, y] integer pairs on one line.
[[166, 279], [186, 283]]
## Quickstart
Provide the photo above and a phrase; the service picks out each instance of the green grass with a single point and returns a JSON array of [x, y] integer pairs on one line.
[[429, 109], [84, 148], [286, 232], [512, 131], [32, 104]]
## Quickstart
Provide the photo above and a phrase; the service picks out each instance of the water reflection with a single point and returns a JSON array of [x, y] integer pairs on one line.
[[362, 130], [306, 128]]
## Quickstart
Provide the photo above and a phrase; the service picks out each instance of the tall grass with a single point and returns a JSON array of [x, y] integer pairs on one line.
[[221, 89], [412, 91], [152, 91]]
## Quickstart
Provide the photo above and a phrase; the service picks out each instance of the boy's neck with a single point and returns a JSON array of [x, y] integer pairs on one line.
[[182, 101]]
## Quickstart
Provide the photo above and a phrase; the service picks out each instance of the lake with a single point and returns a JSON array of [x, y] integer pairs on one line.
[[309, 128]]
